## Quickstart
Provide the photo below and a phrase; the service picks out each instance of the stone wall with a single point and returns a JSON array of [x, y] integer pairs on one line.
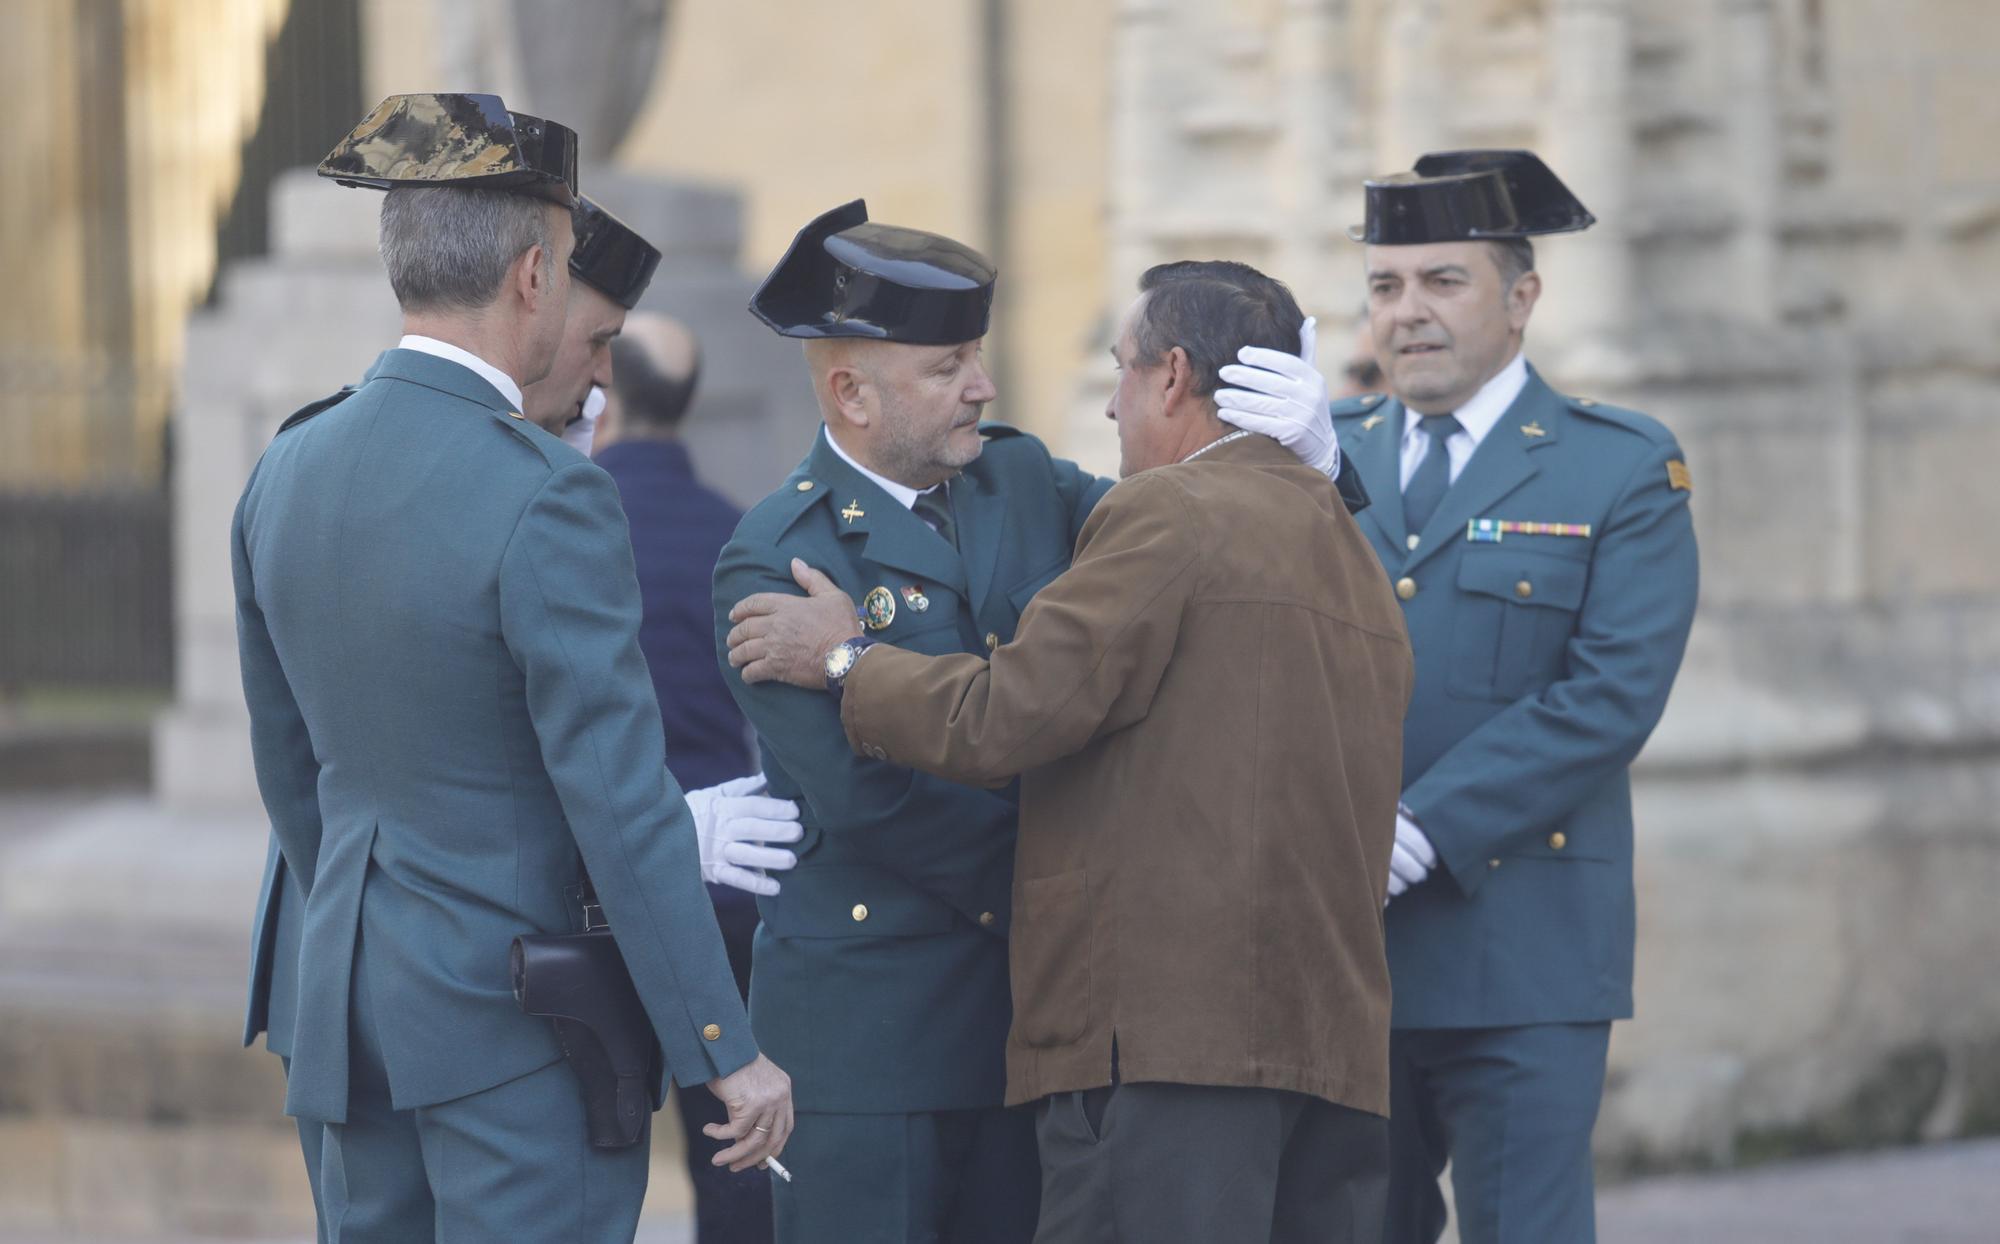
[[1801, 223]]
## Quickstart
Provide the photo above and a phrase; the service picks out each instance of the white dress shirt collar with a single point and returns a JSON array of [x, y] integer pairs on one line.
[[905, 495], [486, 371], [1479, 414]]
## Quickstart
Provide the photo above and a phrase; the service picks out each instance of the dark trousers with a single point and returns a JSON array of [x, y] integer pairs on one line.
[[1511, 1109], [943, 1177], [729, 1207], [1174, 1163]]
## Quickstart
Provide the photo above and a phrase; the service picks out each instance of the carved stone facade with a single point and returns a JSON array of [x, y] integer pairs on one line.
[[1800, 206]]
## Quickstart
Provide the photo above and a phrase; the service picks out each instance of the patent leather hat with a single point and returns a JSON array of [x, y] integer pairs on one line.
[[1469, 196], [846, 276], [449, 139], [610, 257]]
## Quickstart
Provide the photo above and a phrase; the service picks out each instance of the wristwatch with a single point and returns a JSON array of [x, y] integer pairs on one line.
[[840, 661]]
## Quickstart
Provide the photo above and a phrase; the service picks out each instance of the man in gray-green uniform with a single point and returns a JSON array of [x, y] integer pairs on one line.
[[437, 621], [1545, 556], [881, 972]]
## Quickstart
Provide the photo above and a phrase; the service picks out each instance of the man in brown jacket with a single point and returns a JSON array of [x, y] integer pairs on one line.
[[1206, 711]]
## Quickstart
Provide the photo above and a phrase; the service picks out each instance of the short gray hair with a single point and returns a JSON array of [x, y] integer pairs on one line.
[[1515, 257], [449, 248]]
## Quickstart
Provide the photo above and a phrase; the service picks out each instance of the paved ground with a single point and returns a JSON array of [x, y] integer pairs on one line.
[[1941, 1194]]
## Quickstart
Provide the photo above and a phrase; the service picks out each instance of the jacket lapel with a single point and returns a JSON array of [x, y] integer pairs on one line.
[[981, 511], [1502, 463], [1378, 455], [890, 535]]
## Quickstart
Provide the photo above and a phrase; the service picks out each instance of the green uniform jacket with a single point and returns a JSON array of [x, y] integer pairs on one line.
[[438, 619], [881, 968], [1544, 658]]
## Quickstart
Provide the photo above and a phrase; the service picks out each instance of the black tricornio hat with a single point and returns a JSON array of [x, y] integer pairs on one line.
[[449, 139], [847, 277], [1468, 196], [609, 256]]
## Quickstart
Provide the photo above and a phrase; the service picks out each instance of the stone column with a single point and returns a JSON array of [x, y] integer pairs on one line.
[[1315, 100], [1587, 139], [1753, 152], [1415, 115]]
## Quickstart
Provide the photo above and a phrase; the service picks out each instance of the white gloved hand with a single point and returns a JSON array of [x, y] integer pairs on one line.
[[1412, 858], [1282, 396], [732, 821], [581, 433]]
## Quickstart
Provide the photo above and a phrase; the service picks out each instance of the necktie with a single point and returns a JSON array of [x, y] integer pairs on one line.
[[934, 507], [1433, 475]]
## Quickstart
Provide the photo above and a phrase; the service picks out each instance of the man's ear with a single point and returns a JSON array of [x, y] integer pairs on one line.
[[1521, 300], [529, 275], [847, 388], [1178, 371]]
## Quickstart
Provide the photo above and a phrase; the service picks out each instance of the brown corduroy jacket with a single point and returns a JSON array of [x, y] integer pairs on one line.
[[1207, 714]]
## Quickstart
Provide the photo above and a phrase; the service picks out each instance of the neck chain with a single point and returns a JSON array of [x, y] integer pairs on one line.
[[1220, 440]]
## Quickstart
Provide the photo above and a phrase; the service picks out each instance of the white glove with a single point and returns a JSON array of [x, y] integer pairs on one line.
[[1412, 858], [1283, 396], [731, 820], [582, 432]]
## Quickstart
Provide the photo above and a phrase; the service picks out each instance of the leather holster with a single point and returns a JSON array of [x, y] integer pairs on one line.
[[579, 981]]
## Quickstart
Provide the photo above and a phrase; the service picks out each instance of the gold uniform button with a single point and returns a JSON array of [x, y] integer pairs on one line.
[[1493, 863], [1558, 840], [515, 414], [805, 485], [992, 641], [712, 1033], [1406, 587], [1524, 589], [860, 911], [986, 918]]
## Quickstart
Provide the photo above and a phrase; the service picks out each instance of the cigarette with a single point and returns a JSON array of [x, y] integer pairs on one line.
[[778, 1169]]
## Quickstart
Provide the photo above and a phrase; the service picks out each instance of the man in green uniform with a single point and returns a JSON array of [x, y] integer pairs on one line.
[[438, 629], [881, 970]]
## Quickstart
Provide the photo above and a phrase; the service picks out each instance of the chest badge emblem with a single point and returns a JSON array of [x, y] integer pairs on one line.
[[878, 609], [1368, 424], [1533, 430], [853, 511], [914, 597]]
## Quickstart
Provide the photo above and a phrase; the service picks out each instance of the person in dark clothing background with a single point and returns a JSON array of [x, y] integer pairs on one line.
[[678, 528]]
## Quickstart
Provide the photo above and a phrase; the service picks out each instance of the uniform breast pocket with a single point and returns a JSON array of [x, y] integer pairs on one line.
[[1514, 615]]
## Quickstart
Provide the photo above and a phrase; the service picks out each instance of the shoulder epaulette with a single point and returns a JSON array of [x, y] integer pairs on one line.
[[310, 409], [1618, 416], [774, 515], [1350, 407]]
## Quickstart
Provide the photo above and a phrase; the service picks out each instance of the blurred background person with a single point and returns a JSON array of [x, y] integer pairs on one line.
[[1357, 373], [678, 528]]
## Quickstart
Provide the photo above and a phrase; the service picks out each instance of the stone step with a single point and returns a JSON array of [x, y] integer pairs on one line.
[[129, 1109]]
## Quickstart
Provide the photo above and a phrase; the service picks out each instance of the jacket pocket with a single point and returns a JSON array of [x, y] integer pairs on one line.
[[1513, 618], [1050, 959], [843, 900]]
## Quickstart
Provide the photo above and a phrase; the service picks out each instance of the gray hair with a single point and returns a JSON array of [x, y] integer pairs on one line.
[[449, 248], [1212, 309], [1515, 257]]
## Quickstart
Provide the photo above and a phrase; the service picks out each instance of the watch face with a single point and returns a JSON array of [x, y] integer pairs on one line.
[[839, 660]]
